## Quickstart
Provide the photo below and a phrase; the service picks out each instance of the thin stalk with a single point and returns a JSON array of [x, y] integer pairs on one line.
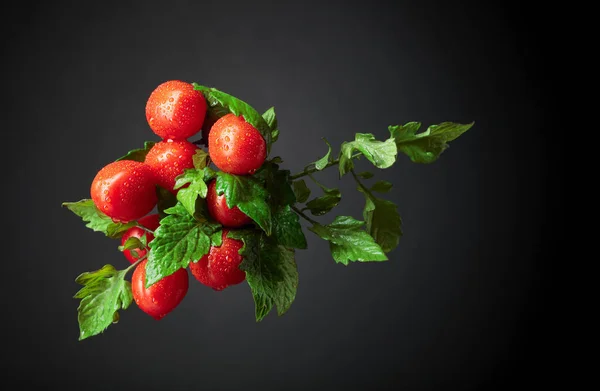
[[304, 216], [313, 169]]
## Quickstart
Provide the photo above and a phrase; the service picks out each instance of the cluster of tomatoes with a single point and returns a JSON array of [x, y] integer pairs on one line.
[[125, 190]]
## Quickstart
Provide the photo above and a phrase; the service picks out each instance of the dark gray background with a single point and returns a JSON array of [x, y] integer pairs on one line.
[[458, 306]]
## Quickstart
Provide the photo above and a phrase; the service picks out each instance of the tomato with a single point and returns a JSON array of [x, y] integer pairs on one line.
[[151, 222], [235, 146], [124, 190], [218, 209], [220, 267], [161, 297], [168, 159], [175, 110]]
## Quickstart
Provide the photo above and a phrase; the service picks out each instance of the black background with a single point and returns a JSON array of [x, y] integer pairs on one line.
[[461, 303]]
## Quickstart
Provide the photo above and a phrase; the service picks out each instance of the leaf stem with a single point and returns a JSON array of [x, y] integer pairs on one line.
[[136, 263], [304, 216], [359, 183], [313, 169], [145, 229]]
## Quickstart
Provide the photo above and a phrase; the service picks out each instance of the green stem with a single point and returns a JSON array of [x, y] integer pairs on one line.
[[359, 183], [145, 229], [312, 170], [304, 216], [133, 265]]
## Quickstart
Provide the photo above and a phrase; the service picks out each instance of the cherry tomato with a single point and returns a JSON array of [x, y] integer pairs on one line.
[[124, 190], [220, 267], [163, 296], [151, 222], [168, 159], [175, 110], [235, 146], [218, 209]]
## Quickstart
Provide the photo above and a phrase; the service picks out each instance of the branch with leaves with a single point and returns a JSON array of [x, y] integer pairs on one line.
[[275, 200]]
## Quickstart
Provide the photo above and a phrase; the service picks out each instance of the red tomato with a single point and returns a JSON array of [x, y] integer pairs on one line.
[[175, 110], [163, 296], [124, 190], [218, 209], [220, 267], [168, 159], [151, 222], [235, 146]]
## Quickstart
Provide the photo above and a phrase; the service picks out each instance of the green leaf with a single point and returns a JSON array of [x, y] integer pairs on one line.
[[132, 243], [216, 239], [238, 107], [271, 119], [381, 153], [104, 292], [201, 159], [166, 200], [277, 183], [96, 220], [323, 204], [322, 162], [382, 186], [274, 135], [271, 272], [383, 221], [275, 160], [427, 146], [179, 240], [248, 194], [348, 241], [301, 191], [197, 187], [287, 230], [139, 155]]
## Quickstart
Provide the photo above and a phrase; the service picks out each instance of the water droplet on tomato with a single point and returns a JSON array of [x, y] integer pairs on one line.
[[227, 139], [226, 147]]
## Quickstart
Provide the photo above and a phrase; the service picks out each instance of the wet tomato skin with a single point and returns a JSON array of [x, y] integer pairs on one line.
[[218, 209], [220, 267], [124, 190], [151, 222], [168, 159], [175, 110], [235, 146], [163, 296]]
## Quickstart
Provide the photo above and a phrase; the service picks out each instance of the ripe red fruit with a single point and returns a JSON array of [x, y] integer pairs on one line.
[[124, 190], [170, 158], [218, 209], [151, 222], [235, 146], [161, 297], [220, 267], [175, 110]]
